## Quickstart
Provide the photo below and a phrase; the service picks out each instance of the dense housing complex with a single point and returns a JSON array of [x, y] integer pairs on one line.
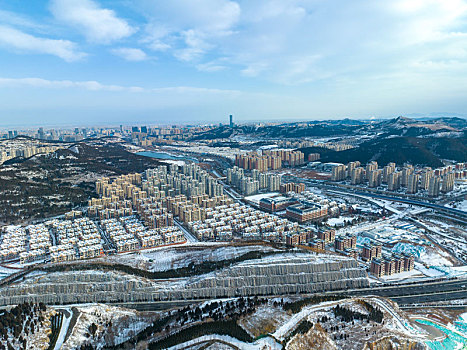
[[408, 177], [26, 150], [249, 185], [61, 240], [225, 221], [269, 159]]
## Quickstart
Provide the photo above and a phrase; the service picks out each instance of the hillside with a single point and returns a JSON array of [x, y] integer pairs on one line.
[[48, 185], [428, 151], [400, 126], [221, 132]]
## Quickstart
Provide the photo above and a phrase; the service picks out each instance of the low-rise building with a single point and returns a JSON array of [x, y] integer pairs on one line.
[[274, 204], [371, 251], [306, 211], [328, 236], [345, 242]]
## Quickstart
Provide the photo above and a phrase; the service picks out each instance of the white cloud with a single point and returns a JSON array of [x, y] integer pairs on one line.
[[254, 69], [131, 54], [204, 15], [97, 24], [304, 41], [197, 90], [92, 85], [17, 20], [196, 46], [156, 37], [189, 27], [212, 66], [60, 84], [15, 39]]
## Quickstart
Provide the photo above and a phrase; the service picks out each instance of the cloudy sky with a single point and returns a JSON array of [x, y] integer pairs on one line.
[[113, 61]]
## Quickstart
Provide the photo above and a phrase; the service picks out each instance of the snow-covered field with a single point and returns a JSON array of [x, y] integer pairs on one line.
[[429, 272], [256, 198], [114, 325], [431, 257], [358, 331], [5, 272], [459, 205], [264, 320], [426, 255], [337, 221], [177, 257], [402, 276], [263, 343]]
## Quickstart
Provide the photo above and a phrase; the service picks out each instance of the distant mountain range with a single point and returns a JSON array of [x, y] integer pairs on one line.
[[422, 142], [400, 126], [403, 126], [426, 151]]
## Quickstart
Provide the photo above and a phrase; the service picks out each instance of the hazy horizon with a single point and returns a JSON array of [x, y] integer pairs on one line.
[[223, 121]]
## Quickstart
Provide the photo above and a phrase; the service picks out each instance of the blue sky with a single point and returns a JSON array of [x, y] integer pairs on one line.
[[187, 61]]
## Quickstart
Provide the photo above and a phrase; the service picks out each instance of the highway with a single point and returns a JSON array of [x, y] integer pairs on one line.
[[456, 213], [415, 289], [424, 298], [403, 294]]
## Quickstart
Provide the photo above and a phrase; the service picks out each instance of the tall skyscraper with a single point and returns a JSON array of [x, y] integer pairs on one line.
[[433, 186], [375, 179], [351, 166], [338, 173], [231, 121], [406, 171], [372, 166], [412, 183], [357, 176], [388, 169], [426, 175], [448, 182], [394, 181]]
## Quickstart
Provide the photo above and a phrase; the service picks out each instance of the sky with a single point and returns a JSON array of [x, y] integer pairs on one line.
[[83, 62]]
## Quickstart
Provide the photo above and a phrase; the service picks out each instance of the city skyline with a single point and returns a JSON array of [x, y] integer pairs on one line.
[[78, 62]]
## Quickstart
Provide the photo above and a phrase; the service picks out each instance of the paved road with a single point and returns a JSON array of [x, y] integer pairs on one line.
[[461, 215], [403, 294], [402, 324], [189, 237], [158, 305], [67, 314], [424, 298], [414, 289]]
